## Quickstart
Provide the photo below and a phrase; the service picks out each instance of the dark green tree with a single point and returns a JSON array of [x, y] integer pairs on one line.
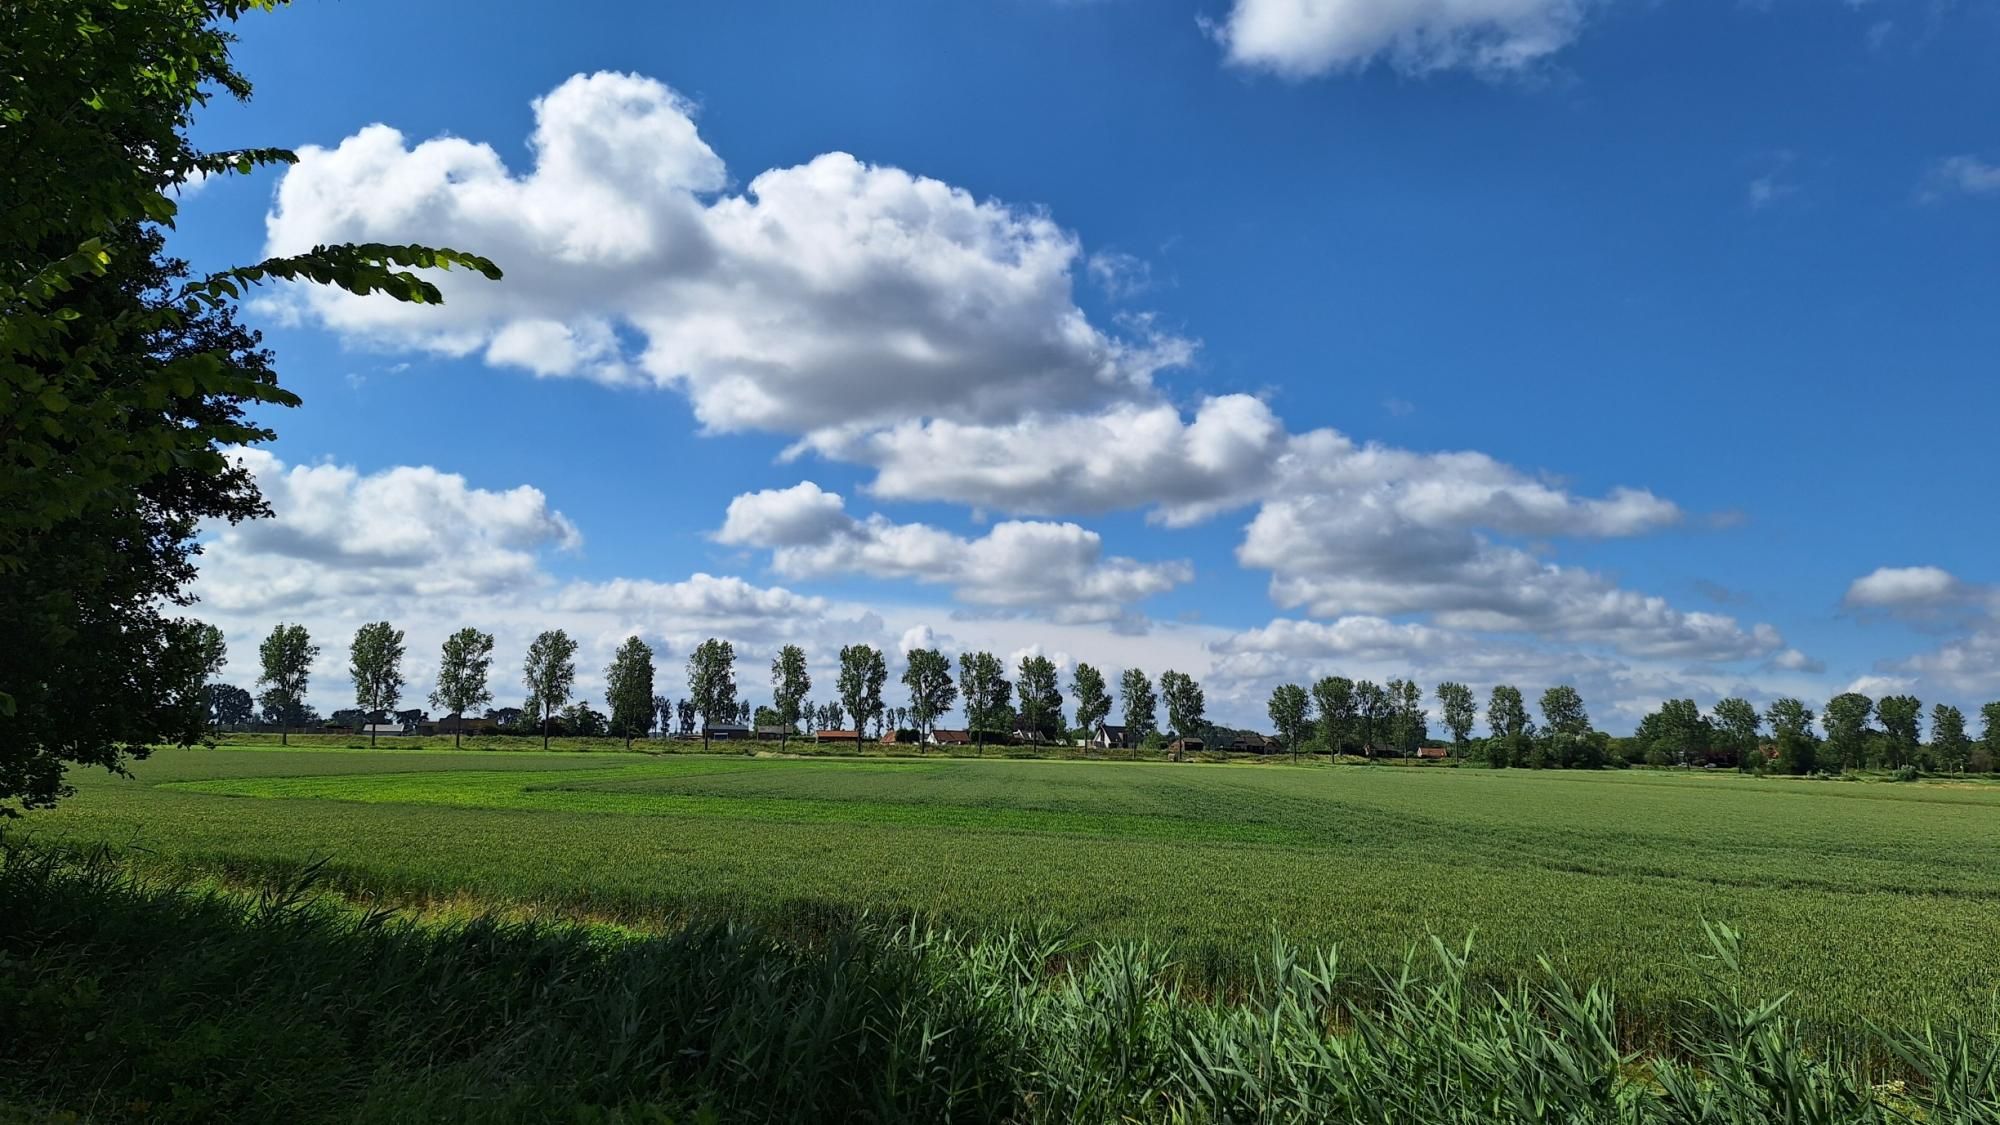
[[463, 665], [1291, 713], [927, 676], [790, 681], [1373, 709], [286, 658], [1093, 702], [124, 380], [1039, 691], [1902, 719], [1737, 731], [628, 690], [549, 674], [1459, 712], [1333, 696], [375, 663], [1950, 748], [863, 673], [1141, 705], [1792, 729], [1847, 730], [711, 672]]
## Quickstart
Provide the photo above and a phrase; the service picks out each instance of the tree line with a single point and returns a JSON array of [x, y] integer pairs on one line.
[[996, 708], [1338, 715]]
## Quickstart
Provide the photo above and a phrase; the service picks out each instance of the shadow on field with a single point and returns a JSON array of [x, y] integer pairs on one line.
[[124, 998]]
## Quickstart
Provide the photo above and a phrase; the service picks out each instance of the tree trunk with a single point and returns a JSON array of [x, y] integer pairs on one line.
[[545, 731], [371, 736]]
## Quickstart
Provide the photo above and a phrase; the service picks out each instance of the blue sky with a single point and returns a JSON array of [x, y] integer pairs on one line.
[[1535, 340]]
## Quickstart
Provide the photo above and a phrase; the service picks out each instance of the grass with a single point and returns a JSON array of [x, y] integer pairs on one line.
[[1865, 901], [124, 997]]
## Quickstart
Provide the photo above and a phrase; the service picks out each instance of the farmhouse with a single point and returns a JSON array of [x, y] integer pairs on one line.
[[1180, 747], [1250, 742], [1108, 737], [943, 737], [773, 732], [837, 736], [727, 732], [1432, 752]]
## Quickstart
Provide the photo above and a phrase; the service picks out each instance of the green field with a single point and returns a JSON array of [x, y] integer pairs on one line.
[[1864, 899]]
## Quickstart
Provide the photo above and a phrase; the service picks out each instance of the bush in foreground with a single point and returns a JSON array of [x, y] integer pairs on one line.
[[124, 999]]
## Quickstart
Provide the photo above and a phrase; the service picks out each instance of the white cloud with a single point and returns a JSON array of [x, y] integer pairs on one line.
[[830, 294], [1905, 588], [1792, 660], [1125, 456], [1059, 568], [1964, 174], [404, 532], [1303, 38], [784, 517]]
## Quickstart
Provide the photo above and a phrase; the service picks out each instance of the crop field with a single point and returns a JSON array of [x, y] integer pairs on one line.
[[1862, 899]]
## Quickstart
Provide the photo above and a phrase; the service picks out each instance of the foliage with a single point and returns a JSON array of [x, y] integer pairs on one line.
[[985, 693], [1408, 722], [863, 672], [463, 665], [1290, 710], [1847, 730], [711, 675], [1901, 719], [790, 681], [229, 705], [1563, 713], [375, 663], [1459, 712], [1950, 748], [286, 658], [123, 380], [1373, 710], [1141, 706], [628, 690], [927, 676], [1334, 697], [549, 674], [1040, 694], [289, 1006], [1093, 702], [1184, 702]]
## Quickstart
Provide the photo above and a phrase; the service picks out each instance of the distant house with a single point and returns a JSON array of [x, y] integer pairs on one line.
[[382, 728], [942, 737], [1108, 737], [837, 736], [1433, 752], [458, 724], [1181, 747], [773, 732], [728, 732], [1250, 742]]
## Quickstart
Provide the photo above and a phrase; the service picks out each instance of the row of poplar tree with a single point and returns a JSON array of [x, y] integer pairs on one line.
[[1032, 704], [1344, 716]]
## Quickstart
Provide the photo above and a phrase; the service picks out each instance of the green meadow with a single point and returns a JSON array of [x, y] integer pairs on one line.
[[1863, 900]]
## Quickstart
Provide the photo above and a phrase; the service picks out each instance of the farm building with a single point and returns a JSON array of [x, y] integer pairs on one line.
[[728, 732], [769, 732], [943, 737], [1181, 747], [837, 736], [1108, 737], [1433, 752]]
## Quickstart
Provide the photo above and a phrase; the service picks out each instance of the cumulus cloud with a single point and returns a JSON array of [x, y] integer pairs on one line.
[[1964, 174], [1126, 456], [1303, 38], [431, 553], [1905, 588], [827, 294], [1060, 568], [1792, 660], [409, 531]]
